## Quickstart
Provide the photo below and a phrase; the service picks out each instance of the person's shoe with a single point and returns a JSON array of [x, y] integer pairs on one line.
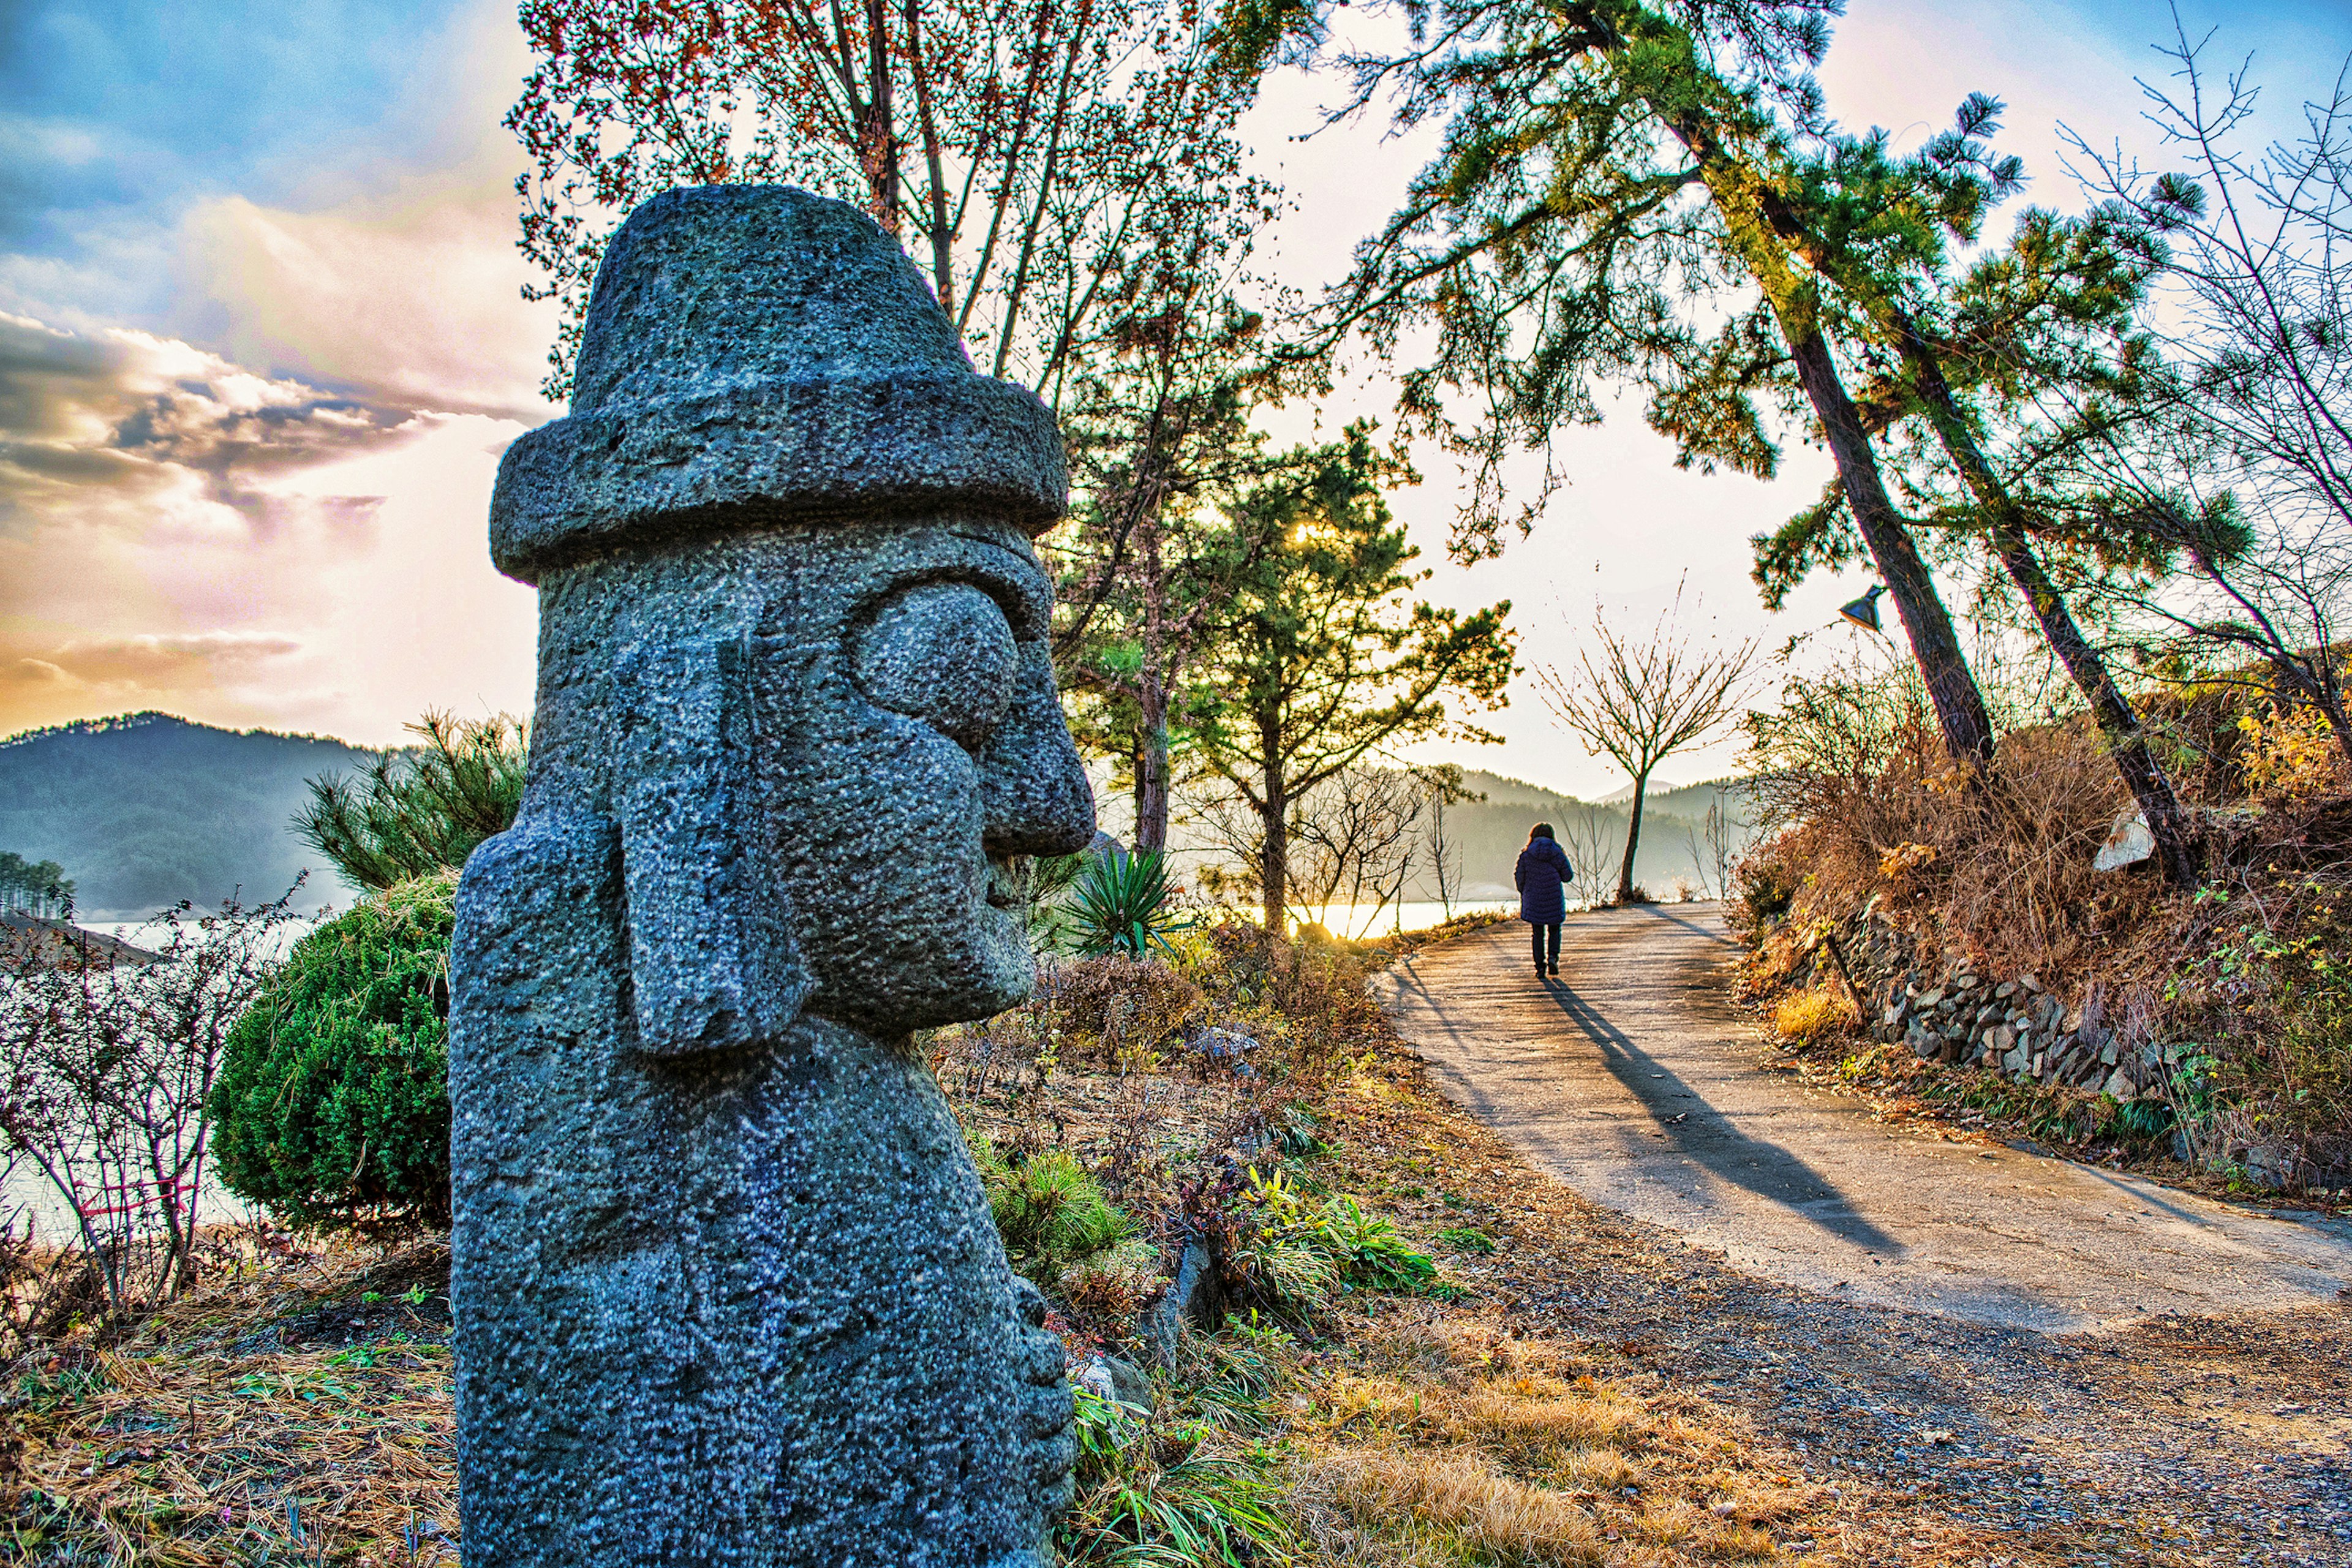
[[1555, 971], [1539, 972]]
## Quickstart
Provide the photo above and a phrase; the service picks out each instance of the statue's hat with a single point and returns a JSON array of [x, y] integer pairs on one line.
[[755, 355]]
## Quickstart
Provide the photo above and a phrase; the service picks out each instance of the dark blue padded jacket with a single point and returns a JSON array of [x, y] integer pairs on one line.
[[1542, 876]]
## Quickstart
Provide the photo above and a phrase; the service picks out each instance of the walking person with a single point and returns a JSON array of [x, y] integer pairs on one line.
[[1542, 876]]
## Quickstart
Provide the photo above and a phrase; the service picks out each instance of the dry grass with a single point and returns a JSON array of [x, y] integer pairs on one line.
[[201, 1441], [1445, 1436], [1809, 1016]]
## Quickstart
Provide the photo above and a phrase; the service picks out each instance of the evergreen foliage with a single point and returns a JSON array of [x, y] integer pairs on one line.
[[149, 810], [34, 887], [416, 812], [332, 1102], [1325, 656]]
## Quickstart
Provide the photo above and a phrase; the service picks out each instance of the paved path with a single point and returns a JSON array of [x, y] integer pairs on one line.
[[1633, 1078]]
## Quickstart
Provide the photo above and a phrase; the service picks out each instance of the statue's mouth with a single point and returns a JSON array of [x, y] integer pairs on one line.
[[1003, 885]]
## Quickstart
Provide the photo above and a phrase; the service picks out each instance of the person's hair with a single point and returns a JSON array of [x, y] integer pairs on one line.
[[1541, 830]]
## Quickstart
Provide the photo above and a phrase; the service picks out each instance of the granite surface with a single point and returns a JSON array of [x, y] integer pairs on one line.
[[726, 1284]]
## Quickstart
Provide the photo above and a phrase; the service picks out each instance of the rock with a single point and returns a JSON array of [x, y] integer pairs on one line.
[[1932, 999], [1925, 1045], [1196, 1297], [2107, 1054], [1228, 1046], [2272, 1165], [726, 1289], [2128, 843], [2005, 990], [2002, 1040], [1119, 1382], [2029, 982], [2120, 1085], [2018, 1059]]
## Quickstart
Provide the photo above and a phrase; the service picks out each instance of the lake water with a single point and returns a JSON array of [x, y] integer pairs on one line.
[[1357, 921]]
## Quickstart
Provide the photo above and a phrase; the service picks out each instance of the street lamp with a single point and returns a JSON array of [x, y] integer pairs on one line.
[[1864, 612]]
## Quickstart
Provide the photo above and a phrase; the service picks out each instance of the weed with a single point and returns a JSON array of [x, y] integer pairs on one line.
[[47, 1392], [1297, 1250], [1148, 1496], [1465, 1239]]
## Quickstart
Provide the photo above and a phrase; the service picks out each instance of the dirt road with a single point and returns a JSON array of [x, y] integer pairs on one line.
[[1633, 1080]]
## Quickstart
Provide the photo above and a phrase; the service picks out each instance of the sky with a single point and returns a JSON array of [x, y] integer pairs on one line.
[[262, 340]]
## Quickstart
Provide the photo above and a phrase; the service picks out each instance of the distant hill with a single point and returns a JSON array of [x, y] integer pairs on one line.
[[1492, 833], [146, 809]]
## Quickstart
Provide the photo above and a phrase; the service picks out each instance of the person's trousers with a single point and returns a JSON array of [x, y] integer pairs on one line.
[[1545, 934]]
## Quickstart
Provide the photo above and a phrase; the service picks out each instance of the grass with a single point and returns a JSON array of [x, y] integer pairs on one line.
[[1808, 1015], [198, 1442]]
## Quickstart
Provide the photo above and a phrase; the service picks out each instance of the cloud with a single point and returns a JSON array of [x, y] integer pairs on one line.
[[413, 297], [130, 411], [179, 530], [113, 673]]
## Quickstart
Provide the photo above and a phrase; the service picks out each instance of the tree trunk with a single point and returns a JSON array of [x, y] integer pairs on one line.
[[1960, 706], [878, 138], [2126, 741], [1273, 821], [2118, 724], [1746, 204], [1633, 839], [1151, 772]]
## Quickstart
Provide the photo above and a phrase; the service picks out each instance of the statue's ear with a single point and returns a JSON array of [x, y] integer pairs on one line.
[[712, 955]]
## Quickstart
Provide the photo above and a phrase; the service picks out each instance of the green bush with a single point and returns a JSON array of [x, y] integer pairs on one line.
[[1051, 1214], [1296, 1252], [332, 1102]]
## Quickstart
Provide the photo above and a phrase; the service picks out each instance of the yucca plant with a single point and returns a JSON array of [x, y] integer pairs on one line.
[[1120, 904]]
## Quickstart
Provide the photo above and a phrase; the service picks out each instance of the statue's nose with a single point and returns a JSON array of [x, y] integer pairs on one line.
[[1034, 789]]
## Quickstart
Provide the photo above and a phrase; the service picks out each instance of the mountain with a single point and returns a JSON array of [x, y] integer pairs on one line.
[[145, 809], [1673, 835]]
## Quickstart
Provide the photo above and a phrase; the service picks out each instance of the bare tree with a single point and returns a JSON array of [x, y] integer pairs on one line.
[[1641, 702], [105, 1070], [1443, 787], [1726, 840], [1022, 147], [1585, 833], [1352, 840], [2245, 468]]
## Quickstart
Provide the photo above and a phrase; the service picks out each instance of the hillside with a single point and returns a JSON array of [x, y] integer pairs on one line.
[[1672, 846], [146, 809]]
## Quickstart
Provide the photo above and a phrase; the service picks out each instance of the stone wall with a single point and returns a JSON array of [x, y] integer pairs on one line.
[[1940, 1005]]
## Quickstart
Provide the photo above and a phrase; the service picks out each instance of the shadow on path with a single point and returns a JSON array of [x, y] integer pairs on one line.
[[1700, 1134], [1713, 1140]]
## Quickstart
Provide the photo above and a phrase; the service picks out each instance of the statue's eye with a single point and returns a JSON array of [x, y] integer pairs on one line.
[[942, 653]]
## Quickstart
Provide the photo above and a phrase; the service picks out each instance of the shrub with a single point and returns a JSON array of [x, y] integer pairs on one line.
[[1051, 1215], [1121, 903], [1805, 1016], [332, 1102], [1126, 1004]]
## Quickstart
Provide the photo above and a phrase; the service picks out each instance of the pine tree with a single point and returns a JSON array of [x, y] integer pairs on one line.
[[1607, 185], [1324, 656]]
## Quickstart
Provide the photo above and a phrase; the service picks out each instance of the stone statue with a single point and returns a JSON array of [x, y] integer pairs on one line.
[[726, 1288]]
